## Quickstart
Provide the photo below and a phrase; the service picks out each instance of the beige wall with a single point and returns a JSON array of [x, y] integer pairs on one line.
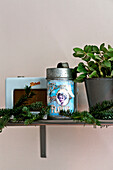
[[35, 35]]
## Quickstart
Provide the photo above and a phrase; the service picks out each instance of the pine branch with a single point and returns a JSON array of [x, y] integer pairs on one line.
[[24, 98], [84, 116], [103, 110]]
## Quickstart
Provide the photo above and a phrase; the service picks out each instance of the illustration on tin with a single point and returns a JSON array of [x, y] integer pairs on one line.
[[60, 96]]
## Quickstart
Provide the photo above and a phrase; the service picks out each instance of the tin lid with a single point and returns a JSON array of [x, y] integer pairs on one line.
[[53, 73]]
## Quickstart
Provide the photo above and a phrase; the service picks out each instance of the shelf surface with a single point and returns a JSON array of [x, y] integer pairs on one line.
[[60, 122]]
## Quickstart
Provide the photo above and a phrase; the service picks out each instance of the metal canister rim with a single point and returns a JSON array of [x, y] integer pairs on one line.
[[57, 73]]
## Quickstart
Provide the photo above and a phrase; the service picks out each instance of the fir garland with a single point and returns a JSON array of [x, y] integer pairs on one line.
[[84, 117], [103, 111], [22, 112]]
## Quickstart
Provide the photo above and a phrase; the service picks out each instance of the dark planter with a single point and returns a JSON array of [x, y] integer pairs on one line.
[[99, 90]]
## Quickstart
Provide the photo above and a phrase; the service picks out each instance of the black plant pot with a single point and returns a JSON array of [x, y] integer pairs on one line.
[[99, 90]]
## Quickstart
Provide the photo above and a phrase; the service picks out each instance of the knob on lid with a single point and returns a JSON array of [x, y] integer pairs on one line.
[[63, 65]]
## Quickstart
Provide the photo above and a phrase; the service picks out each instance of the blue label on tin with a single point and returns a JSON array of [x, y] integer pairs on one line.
[[60, 96]]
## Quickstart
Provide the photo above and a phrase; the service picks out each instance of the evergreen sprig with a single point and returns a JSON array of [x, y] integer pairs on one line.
[[24, 98], [22, 112], [103, 110], [84, 116], [105, 105]]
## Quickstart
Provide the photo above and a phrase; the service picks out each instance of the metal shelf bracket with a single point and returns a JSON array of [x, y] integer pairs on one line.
[[43, 141]]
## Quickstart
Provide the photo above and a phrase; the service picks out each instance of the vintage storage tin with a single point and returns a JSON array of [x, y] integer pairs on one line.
[[61, 91]]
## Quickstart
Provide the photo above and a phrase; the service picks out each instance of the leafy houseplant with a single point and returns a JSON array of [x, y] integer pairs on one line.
[[98, 62], [97, 65]]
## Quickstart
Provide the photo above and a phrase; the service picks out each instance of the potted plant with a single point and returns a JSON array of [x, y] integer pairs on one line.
[[96, 71]]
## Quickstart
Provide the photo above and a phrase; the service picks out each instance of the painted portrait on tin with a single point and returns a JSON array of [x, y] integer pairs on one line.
[[62, 97]]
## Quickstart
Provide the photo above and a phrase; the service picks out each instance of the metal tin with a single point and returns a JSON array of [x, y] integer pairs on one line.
[[61, 91]]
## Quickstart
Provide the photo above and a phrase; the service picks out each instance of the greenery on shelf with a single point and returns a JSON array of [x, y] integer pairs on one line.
[[97, 62], [84, 117], [22, 111], [101, 111], [25, 98]]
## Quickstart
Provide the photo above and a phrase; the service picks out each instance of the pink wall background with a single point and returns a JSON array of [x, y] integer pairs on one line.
[[35, 35]]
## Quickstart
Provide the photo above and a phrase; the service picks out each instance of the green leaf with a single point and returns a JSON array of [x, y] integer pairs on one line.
[[81, 78], [110, 54], [94, 57], [86, 48], [110, 59], [109, 46], [90, 49], [78, 54], [111, 73], [81, 68], [106, 56], [74, 54], [25, 109], [92, 64], [86, 58], [102, 47], [110, 49], [95, 49], [107, 64], [97, 57], [93, 74], [27, 89], [78, 49], [91, 55], [91, 68]]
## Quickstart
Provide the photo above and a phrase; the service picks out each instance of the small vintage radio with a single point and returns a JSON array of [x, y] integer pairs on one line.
[[15, 88]]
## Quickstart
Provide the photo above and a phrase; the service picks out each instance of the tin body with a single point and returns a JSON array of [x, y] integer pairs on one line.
[[61, 91]]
